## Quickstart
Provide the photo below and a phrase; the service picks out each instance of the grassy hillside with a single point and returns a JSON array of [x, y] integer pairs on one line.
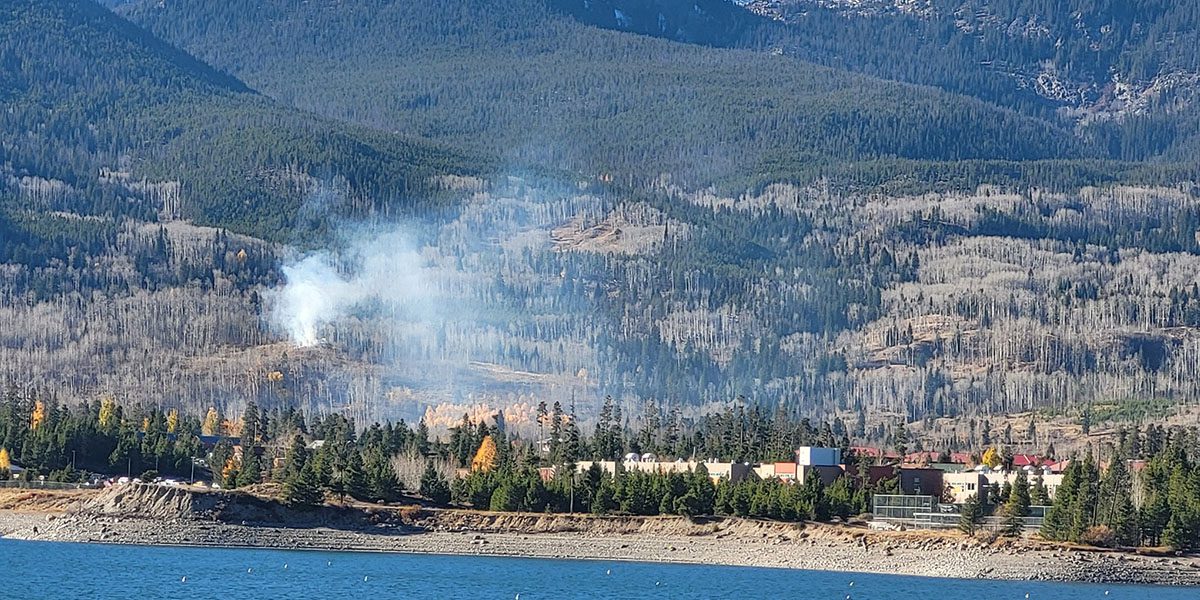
[[527, 82]]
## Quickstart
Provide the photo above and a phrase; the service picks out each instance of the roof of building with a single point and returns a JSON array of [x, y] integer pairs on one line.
[[1029, 460]]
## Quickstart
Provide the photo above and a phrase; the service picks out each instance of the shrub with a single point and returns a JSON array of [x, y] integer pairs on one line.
[[1098, 535]]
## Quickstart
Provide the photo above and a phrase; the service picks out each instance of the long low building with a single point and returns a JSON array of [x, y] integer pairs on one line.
[[962, 486], [734, 472]]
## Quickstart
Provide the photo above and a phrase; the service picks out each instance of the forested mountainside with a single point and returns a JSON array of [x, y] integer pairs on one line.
[[524, 81], [1127, 73], [398, 209], [91, 100]]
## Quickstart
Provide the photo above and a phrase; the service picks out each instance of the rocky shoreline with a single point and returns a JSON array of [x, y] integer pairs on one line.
[[673, 540]]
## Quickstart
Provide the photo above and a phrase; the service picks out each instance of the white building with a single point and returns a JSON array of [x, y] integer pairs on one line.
[[809, 456]]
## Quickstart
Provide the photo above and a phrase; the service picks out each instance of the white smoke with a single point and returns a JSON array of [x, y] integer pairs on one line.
[[381, 269]]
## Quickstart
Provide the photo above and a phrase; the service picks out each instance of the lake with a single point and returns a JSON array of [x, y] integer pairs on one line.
[[58, 570]]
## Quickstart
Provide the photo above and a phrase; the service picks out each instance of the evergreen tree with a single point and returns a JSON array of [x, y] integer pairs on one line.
[[355, 477], [1038, 495], [1059, 519], [295, 459], [433, 486], [250, 472], [605, 500], [301, 488], [382, 483], [1017, 506], [971, 516], [1115, 507], [1083, 504], [504, 498]]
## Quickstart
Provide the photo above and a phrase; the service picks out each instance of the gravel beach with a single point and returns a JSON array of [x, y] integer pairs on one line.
[[720, 541]]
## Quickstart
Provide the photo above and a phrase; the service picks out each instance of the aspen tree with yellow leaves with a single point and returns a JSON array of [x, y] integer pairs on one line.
[[991, 458], [108, 413], [39, 415], [212, 423]]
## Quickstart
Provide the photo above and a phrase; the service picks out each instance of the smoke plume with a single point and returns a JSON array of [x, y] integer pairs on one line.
[[381, 270]]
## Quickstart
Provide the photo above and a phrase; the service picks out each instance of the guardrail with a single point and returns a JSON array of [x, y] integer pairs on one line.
[[924, 520]]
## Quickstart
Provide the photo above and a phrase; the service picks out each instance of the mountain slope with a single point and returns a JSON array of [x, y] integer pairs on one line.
[[1127, 69], [538, 87], [1124, 72], [94, 104]]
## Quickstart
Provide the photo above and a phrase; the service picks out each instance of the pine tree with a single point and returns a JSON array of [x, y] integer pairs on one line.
[[972, 514], [382, 482], [556, 434], [1083, 505], [433, 486], [570, 452], [1115, 507], [504, 498], [301, 489], [355, 476], [605, 499], [250, 472], [1177, 534], [1017, 506], [1038, 495], [1059, 520], [251, 429]]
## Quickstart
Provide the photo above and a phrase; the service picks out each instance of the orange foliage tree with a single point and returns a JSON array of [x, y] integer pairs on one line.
[[485, 457]]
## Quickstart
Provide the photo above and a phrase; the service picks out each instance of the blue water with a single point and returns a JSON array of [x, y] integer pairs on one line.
[[58, 571]]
